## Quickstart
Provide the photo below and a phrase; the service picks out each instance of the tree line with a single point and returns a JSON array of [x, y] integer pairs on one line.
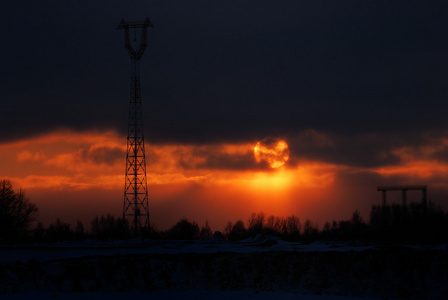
[[390, 224]]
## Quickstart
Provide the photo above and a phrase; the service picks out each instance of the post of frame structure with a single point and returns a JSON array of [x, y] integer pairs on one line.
[[135, 204], [404, 189]]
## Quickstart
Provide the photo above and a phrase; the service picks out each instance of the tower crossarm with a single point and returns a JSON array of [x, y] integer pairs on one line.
[[135, 54], [123, 24]]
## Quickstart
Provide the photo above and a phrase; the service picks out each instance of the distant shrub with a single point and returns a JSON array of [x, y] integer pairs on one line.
[[109, 227], [58, 231], [310, 231], [238, 231], [38, 233], [79, 233], [184, 230]]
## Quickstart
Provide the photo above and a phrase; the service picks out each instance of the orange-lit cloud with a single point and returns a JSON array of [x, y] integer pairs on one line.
[[219, 182], [423, 161], [416, 169]]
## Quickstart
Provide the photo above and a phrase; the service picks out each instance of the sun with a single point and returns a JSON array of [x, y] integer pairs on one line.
[[272, 151]]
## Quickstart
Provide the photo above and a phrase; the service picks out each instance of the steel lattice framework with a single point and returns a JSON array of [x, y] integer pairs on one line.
[[136, 184]]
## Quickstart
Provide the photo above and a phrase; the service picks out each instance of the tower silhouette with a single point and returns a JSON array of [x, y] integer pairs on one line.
[[135, 203]]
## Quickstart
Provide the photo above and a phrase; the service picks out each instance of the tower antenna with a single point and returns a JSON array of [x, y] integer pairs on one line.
[[135, 203]]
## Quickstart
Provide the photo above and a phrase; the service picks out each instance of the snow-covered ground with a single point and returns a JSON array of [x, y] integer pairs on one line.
[[255, 268], [53, 251], [46, 252]]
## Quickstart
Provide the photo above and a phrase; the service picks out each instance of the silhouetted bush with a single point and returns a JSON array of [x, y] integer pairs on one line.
[[58, 231], [310, 231], [38, 233], [184, 230], [326, 233], [238, 231], [353, 229], [79, 233], [108, 227], [413, 223], [151, 232]]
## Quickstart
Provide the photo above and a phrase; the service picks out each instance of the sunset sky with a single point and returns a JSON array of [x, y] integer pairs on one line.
[[357, 89]]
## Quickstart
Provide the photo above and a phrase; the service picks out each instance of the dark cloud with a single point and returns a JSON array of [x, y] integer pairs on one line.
[[151, 156], [441, 154], [216, 159], [364, 150], [106, 155], [230, 161], [368, 150], [368, 73]]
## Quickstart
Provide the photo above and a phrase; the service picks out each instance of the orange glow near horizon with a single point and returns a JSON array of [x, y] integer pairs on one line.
[[219, 181], [417, 162], [421, 169]]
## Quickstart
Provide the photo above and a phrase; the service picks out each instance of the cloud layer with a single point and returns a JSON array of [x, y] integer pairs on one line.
[[219, 182]]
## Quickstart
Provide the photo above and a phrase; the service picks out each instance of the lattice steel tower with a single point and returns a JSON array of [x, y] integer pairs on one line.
[[135, 188]]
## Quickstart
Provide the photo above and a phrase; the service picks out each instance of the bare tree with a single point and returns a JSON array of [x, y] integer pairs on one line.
[[206, 231], [310, 231], [273, 225], [291, 228], [16, 213], [256, 223], [228, 229]]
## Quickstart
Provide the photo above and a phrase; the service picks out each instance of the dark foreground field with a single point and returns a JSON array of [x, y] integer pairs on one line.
[[383, 272]]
